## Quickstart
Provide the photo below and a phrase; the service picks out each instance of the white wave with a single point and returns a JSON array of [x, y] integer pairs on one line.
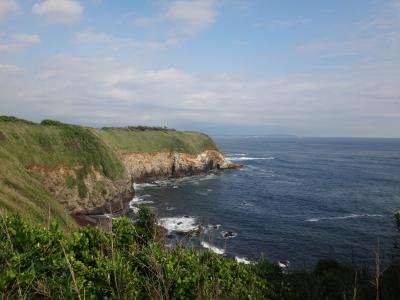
[[134, 209], [212, 248], [140, 200], [141, 186], [201, 193], [313, 220], [244, 158], [178, 224], [170, 208], [163, 182], [242, 260], [284, 264], [345, 217], [177, 182], [141, 197]]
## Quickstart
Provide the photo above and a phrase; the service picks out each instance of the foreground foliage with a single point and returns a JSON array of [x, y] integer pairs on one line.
[[125, 263], [129, 261]]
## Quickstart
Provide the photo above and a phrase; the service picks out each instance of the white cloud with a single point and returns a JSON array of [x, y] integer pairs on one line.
[[18, 43], [375, 36], [8, 7], [59, 11], [92, 37], [183, 18], [89, 36], [27, 38], [9, 69], [358, 100], [166, 77], [11, 48], [191, 17]]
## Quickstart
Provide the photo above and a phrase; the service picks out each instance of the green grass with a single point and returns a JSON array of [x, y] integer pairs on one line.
[[24, 143], [24, 193], [155, 140]]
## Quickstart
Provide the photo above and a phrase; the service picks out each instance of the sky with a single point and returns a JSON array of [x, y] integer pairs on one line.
[[306, 68]]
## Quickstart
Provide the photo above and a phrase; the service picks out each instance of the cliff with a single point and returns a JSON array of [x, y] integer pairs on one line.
[[51, 168], [153, 165]]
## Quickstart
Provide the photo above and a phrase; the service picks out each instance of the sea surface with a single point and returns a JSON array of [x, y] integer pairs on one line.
[[297, 200]]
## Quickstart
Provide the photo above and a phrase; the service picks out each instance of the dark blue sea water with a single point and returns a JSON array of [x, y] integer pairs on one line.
[[295, 199]]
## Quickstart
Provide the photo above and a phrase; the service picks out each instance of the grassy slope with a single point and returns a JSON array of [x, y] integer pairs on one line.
[[23, 143], [126, 140]]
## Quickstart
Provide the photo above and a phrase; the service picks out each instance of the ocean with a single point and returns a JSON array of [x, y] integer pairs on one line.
[[297, 200]]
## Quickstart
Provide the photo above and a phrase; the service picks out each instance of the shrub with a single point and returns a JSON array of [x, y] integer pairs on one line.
[[397, 218], [10, 119], [51, 123], [146, 224]]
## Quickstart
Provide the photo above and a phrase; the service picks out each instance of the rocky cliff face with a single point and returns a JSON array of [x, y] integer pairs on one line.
[[102, 194], [150, 166]]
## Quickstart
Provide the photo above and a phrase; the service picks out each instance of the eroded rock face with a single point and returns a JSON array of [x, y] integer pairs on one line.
[[103, 194], [150, 166]]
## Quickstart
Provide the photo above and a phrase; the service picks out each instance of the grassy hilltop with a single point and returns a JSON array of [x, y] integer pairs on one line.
[[24, 143]]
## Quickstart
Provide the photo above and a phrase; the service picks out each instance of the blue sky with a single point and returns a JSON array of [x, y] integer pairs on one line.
[[310, 68]]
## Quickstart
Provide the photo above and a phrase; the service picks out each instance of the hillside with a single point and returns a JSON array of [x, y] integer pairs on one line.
[[49, 168]]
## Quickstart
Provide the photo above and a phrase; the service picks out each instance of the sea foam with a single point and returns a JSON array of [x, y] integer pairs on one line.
[[141, 186], [242, 260], [140, 200], [345, 217], [178, 224], [212, 248]]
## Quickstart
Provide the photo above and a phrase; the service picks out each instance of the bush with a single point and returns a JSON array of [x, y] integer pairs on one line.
[[10, 119], [51, 123], [397, 218]]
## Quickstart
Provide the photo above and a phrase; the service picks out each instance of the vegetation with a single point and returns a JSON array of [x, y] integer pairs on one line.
[[143, 128], [11, 119], [127, 140], [129, 261], [51, 143], [397, 217], [125, 263]]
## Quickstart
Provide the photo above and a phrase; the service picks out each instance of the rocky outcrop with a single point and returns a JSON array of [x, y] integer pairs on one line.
[[143, 167], [102, 195]]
